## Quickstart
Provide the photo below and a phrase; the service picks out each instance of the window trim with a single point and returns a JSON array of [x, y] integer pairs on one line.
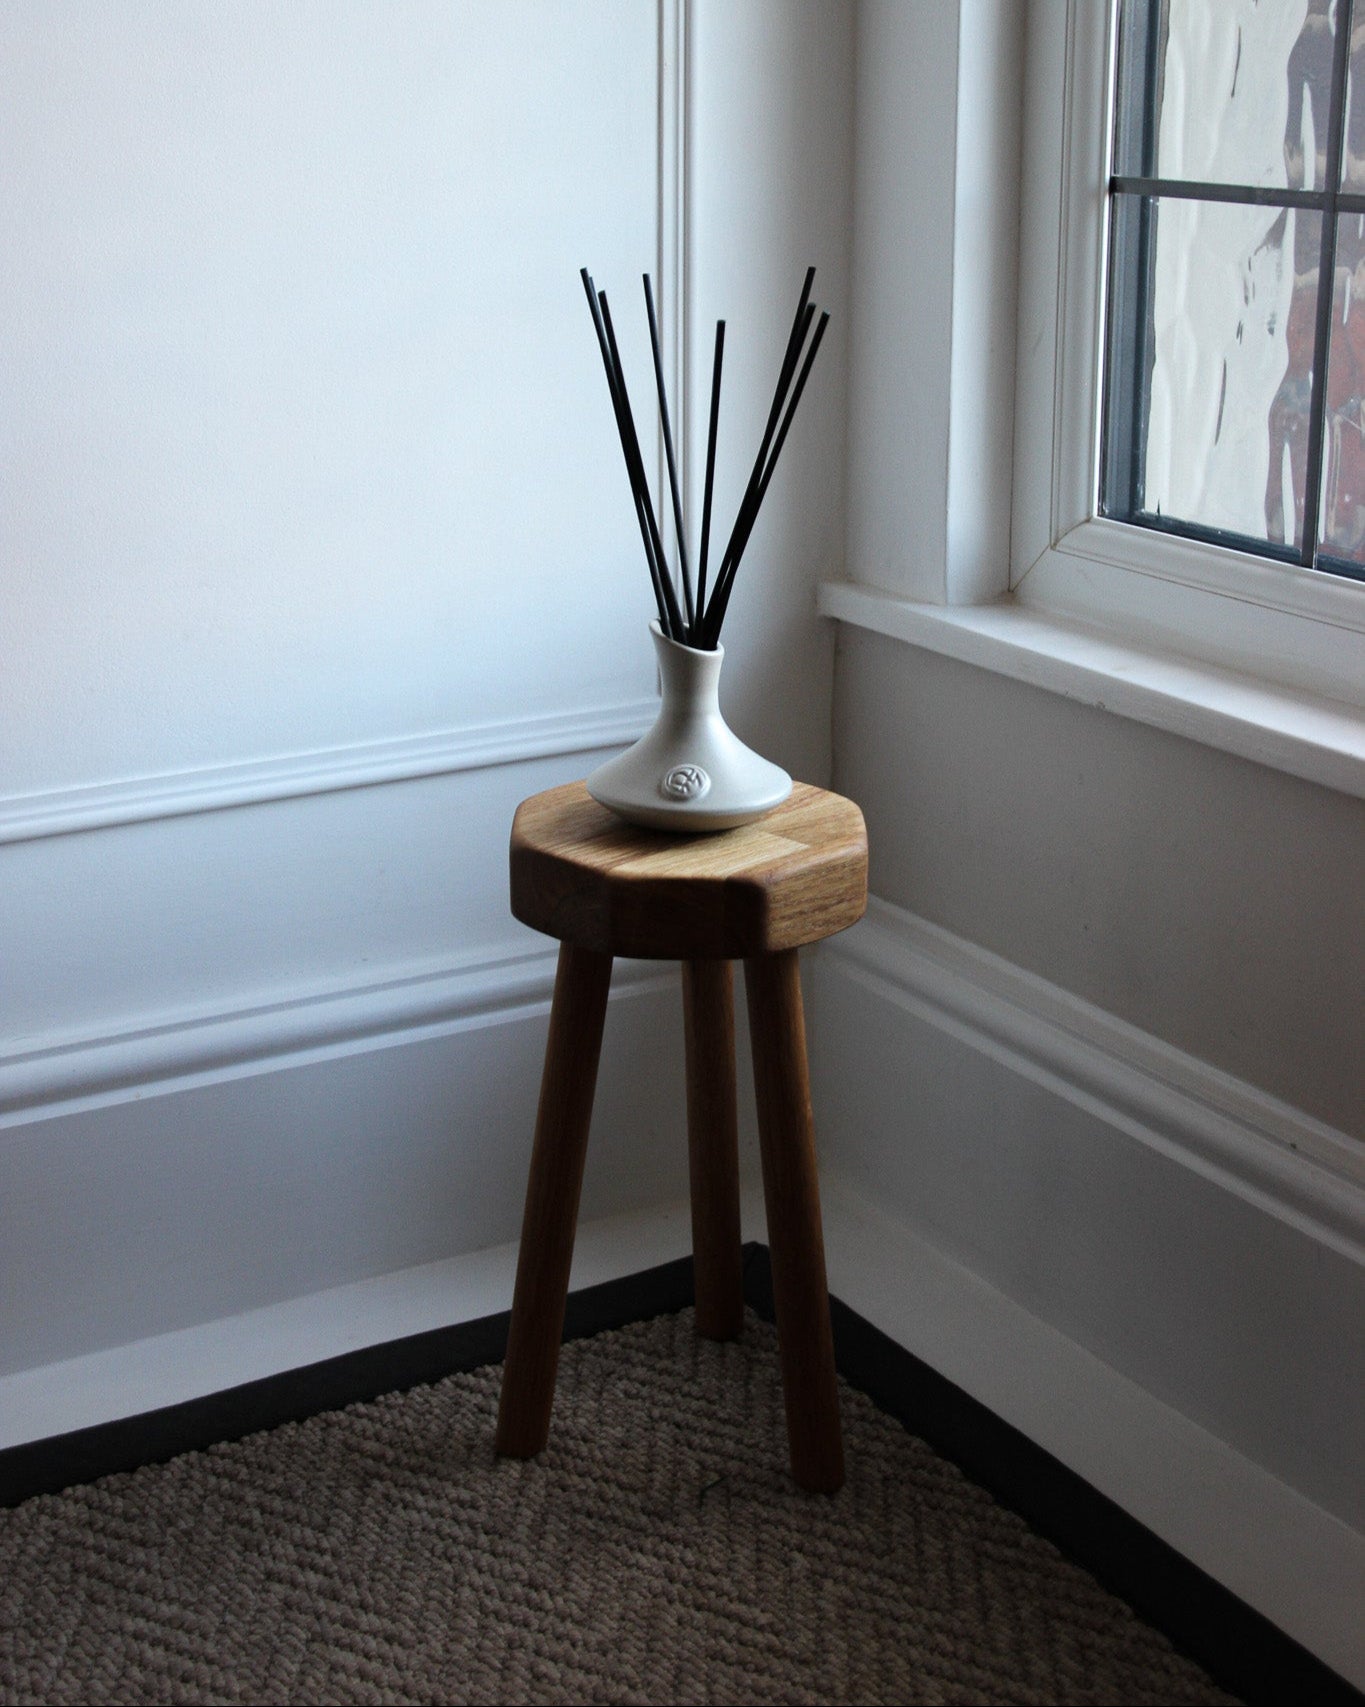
[[1285, 625]]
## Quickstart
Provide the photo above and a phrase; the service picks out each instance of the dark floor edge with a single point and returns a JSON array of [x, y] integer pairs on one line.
[[1240, 1648], [84, 1455]]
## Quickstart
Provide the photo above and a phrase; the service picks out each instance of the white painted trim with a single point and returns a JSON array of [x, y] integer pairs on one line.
[[1084, 255], [1329, 601], [1288, 729], [1282, 1554], [1061, 239], [1277, 625], [930, 427], [903, 248], [191, 1047], [674, 243], [1261, 1149], [984, 308], [168, 1369], [321, 770]]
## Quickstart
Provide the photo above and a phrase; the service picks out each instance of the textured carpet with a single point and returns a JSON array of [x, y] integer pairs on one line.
[[656, 1552]]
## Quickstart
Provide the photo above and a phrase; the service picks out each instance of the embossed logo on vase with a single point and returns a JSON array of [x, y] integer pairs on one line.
[[684, 782]]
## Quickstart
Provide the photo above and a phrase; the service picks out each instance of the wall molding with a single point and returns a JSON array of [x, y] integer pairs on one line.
[[320, 770], [1251, 1143], [1300, 1566], [673, 244], [189, 1363], [192, 1047]]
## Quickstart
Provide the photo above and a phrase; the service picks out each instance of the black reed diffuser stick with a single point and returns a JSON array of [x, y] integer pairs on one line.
[[710, 463], [720, 599], [697, 622], [668, 456], [673, 624], [655, 573]]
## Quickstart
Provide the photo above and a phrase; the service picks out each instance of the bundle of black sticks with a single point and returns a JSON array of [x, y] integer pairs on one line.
[[697, 621]]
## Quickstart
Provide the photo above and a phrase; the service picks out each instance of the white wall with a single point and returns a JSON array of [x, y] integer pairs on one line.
[[1090, 1074], [300, 416], [316, 556], [315, 560], [1075, 852], [769, 196], [933, 297]]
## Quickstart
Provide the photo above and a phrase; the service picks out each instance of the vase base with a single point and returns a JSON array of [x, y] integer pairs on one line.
[[683, 817], [690, 774]]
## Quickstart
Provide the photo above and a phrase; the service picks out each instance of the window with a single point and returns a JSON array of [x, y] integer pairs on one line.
[[1206, 622], [1206, 584], [1235, 386]]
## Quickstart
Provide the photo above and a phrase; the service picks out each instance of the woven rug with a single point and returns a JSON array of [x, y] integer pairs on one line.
[[656, 1552]]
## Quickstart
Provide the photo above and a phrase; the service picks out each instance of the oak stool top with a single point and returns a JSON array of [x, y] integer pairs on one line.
[[583, 875]]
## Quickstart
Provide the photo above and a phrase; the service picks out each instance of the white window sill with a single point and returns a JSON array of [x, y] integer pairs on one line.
[[1319, 739]]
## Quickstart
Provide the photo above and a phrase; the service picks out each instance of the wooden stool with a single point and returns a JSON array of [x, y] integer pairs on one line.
[[756, 894]]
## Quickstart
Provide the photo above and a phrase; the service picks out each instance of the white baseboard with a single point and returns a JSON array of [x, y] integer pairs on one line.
[[219, 1163], [1153, 1269], [1263, 1540], [1279, 1552], [167, 1369], [1282, 1554], [211, 1357]]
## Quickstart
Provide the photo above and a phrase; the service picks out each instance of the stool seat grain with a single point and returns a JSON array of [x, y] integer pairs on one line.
[[758, 894], [581, 874]]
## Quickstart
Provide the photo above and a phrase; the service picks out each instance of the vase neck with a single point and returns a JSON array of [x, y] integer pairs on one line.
[[687, 675]]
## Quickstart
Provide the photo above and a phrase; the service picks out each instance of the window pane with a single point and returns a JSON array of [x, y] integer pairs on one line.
[[1226, 91], [1343, 444], [1353, 164], [1210, 369]]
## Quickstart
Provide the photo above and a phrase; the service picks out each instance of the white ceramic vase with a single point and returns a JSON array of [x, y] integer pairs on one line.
[[689, 772]]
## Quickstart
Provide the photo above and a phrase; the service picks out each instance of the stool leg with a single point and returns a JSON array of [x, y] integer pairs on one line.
[[547, 1229], [713, 1146], [791, 1191]]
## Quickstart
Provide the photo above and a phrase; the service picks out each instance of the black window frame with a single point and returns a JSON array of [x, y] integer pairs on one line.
[[1129, 356]]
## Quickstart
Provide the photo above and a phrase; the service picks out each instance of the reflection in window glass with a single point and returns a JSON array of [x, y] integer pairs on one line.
[[1240, 91], [1343, 492], [1237, 248], [1233, 294]]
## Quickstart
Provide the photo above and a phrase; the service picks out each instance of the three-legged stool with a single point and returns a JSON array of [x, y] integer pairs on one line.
[[756, 894]]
